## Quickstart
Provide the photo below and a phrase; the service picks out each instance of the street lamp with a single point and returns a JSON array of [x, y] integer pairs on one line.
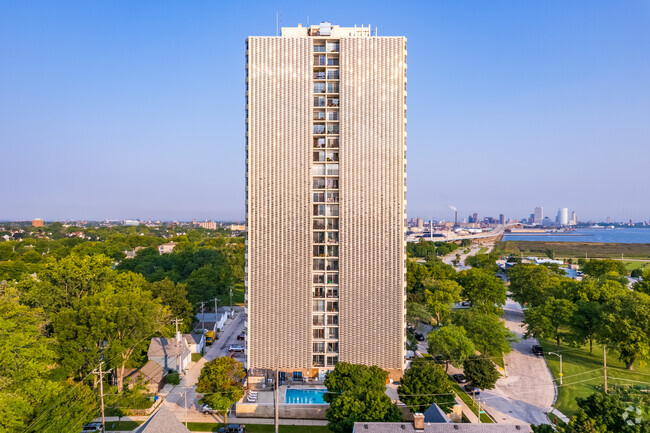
[[560, 355]]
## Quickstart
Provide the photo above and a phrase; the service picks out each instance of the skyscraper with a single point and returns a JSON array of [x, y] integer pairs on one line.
[[325, 200], [538, 215], [562, 216]]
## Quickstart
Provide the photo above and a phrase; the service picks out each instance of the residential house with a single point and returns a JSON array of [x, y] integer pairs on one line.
[[196, 342], [212, 322], [166, 248], [420, 426], [152, 375], [170, 353]]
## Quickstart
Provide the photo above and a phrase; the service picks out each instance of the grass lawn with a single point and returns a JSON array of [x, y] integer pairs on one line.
[[632, 265], [485, 418], [122, 425], [575, 249], [483, 250], [583, 373], [260, 428], [237, 297]]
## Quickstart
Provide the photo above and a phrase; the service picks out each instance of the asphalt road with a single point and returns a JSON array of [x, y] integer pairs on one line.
[[527, 391], [175, 400]]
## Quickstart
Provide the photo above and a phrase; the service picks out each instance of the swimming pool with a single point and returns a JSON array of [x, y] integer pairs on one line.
[[304, 396]]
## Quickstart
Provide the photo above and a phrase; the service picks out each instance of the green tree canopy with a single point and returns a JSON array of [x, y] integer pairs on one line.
[[355, 378], [451, 342], [483, 290], [440, 297], [626, 327], [488, 333], [605, 413], [221, 383], [550, 320], [370, 406], [481, 372], [423, 384], [598, 268], [531, 285]]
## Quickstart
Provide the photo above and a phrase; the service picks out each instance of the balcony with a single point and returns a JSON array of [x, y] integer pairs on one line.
[[332, 279], [319, 237], [332, 306], [318, 170], [319, 347], [318, 361], [333, 251], [318, 197], [330, 265], [332, 237], [320, 60], [332, 169], [319, 250], [332, 87], [331, 61], [333, 224], [332, 129], [332, 74], [331, 102], [319, 48], [320, 87], [319, 129], [319, 306], [332, 197], [319, 292], [332, 156], [333, 347], [319, 143], [332, 183], [319, 224], [331, 47], [319, 279], [320, 75], [333, 332], [333, 292], [333, 319], [332, 361], [318, 320], [320, 101], [320, 157], [320, 115]]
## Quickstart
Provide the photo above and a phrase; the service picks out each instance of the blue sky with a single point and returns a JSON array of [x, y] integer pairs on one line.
[[125, 109]]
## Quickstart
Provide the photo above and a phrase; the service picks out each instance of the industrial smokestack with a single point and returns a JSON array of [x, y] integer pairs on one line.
[[456, 220]]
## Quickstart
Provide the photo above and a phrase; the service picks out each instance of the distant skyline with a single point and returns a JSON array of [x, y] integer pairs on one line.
[[121, 109]]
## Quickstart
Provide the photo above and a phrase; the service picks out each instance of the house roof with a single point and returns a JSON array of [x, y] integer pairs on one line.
[[435, 414], [193, 338], [405, 427], [163, 421], [167, 347]]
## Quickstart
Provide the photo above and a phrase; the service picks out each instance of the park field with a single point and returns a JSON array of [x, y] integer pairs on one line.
[[575, 249], [583, 373]]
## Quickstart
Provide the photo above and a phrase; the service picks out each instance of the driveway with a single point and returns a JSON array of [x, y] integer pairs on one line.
[[527, 391], [175, 400]]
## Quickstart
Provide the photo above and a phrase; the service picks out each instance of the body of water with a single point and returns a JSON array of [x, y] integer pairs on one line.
[[624, 236], [304, 396]]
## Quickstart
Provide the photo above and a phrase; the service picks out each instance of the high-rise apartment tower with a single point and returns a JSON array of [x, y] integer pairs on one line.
[[325, 200]]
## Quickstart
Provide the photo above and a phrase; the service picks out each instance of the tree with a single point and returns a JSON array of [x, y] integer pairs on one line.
[[416, 312], [549, 320], [488, 333], [440, 296], [626, 327], [369, 406], [31, 397], [483, 290], [423, 384], [643, 285], [355, 378], [451, 342], [598, 268], [415, 275], [481, 372], [173, 296], [221, 383], [602, 412], [357, 393], [531, 285], [586, 322], [116, 322]]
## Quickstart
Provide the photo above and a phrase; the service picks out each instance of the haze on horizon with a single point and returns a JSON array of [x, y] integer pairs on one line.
[[119, 109]]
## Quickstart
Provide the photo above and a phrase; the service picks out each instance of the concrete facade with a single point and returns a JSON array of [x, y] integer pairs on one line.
[[325, 200]]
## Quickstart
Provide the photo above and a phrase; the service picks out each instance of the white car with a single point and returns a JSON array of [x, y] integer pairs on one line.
[[207, 410], [236, 348]]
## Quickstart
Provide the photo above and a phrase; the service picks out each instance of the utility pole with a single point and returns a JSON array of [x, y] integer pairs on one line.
[[101, 391], [275, 399], [479, 410], [215, 308], [230, 299], [202, 314], [186, 408], [176, 338], [605, 365]]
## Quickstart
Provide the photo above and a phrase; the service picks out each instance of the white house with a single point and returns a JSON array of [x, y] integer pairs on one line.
[[170, 353], [196, 342]]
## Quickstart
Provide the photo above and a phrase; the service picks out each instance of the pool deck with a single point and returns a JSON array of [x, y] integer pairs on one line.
[[266, 396]]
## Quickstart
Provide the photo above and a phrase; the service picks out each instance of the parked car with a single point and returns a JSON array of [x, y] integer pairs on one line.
[[471, 389], [460, 378], [207, 410], [233, 428], [538, 350], [466, 304], [236, 348], [419, 336], [92, 427], [241, 337]]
